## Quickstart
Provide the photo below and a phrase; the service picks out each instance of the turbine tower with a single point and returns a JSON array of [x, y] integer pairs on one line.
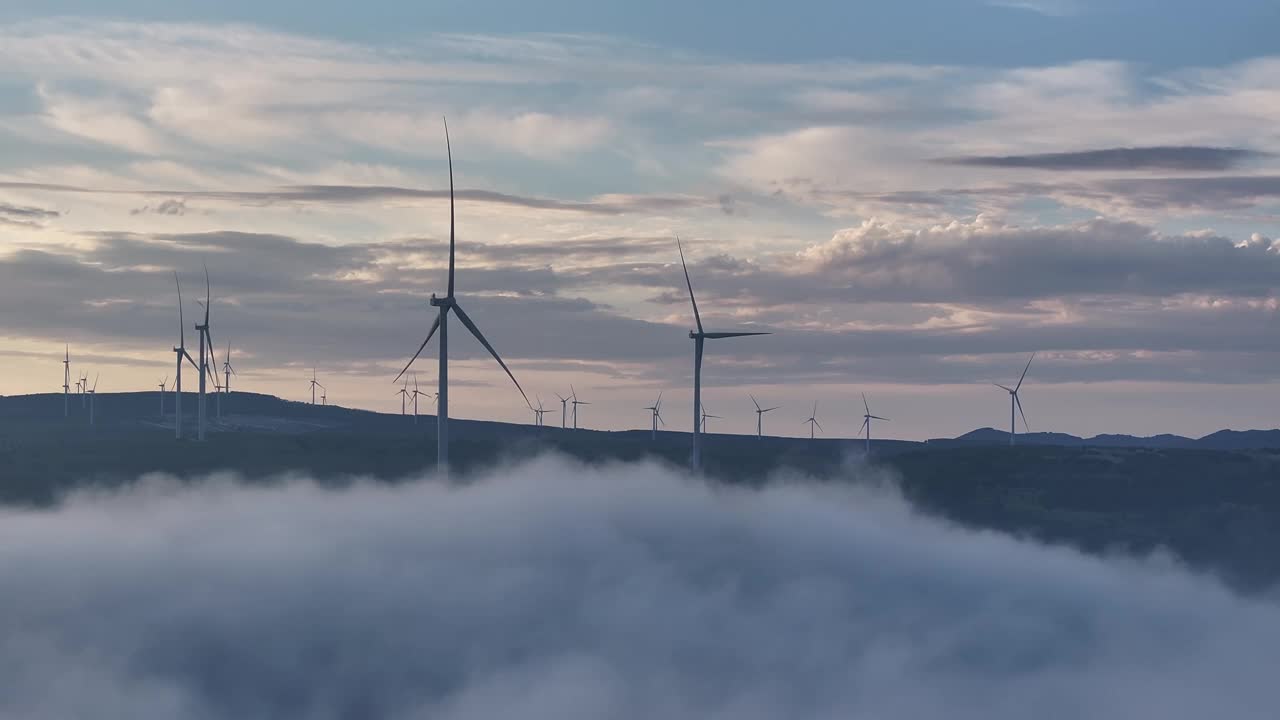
[[446, 304], [163, 382], [813, 419], [573, 398], [66, 381], [1016, 403], [83, 384], [181, 353], [760, 416], [706, 415], [699, 339], [656, 410], [866, 420]]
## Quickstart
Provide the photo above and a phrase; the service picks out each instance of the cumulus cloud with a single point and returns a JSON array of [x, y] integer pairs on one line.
[[554, 591], [172, 206]]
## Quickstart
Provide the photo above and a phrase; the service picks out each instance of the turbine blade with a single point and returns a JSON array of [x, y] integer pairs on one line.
[[95, 382], [1018, 402], [770, 409], [190, 359], [815, 422], [877, 417], [207, 295], [753, 401], [434, 326], [449, 150], [1002, 387], [719, 335], [1024, 373], [865, 422], [182, 325], [480, 336], [864, 404], [693, 301]]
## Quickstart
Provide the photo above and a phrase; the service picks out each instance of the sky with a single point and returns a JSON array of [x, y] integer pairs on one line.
[[912, 197]]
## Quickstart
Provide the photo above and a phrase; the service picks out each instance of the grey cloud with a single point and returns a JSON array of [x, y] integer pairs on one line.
[[172, 206], [1178, 157], [605, 205], [551, 590], [25, 215]]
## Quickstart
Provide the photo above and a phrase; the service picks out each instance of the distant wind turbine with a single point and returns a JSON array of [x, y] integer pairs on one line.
[[573, 398], [228, 370], [208, 364], [656, 415], [92, 392], [706, 415], [699, 339], [813, 420], [314, 385], [1016, 402], [181, 352], [66, 381], [866, 420], [83, 384], [563, 411], [538, 412], [163, 382], [446, 304], [404, 396], [416, 392], [760, 416], [324, 399]]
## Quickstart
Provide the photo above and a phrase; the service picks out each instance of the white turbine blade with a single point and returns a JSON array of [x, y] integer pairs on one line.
[[770, 409], [182, 325], [815, 422], [435, 325], [190, 359], [449, 151], [865, 421], [753, 401], [1024, 373], [877, 417], [207, 295], [865, 407], [480, 336], [693, 301], [1017, 401], [1002, 387]]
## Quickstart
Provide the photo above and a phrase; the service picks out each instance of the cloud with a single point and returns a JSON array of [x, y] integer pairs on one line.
[[25, 215], [550, 590], [1051, 8], [172, 206], [1141, 158]]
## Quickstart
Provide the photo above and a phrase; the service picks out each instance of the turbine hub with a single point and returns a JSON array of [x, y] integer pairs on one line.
[[441, 301]]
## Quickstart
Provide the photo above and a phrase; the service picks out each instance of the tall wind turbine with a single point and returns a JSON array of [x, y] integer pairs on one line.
[[83, 383], [163, 382], [181, 352], [699, 338], [813, 419], [656, 410], [445, 304], [1016, 402], [92, 392], [706, 415], [760, 416], [563, 411], [324, 399], [66, 381], [573, 398], [538, 412], [314, 385], [866, 420], [208, 364]]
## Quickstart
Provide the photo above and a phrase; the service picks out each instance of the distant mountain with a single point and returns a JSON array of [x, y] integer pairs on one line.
[[1221, 440]]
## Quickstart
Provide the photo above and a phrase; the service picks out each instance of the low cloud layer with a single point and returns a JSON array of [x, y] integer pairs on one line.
[[1139, 158], [548, 591]]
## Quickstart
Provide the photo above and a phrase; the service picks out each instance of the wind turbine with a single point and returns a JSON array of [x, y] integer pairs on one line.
[[538, 412], [416, 393], [760, 416], [208, 363], [404, 395], [576, 402], [324, 399], [1016, 402], [813, 419], [92, 392], [66, 381], [180, 352], [315, 385], [445, 304], [163, 382], [83, 383], [699, 339], [706, 415], [656, 410], [866, 420], [563, 412], [227, 370]]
